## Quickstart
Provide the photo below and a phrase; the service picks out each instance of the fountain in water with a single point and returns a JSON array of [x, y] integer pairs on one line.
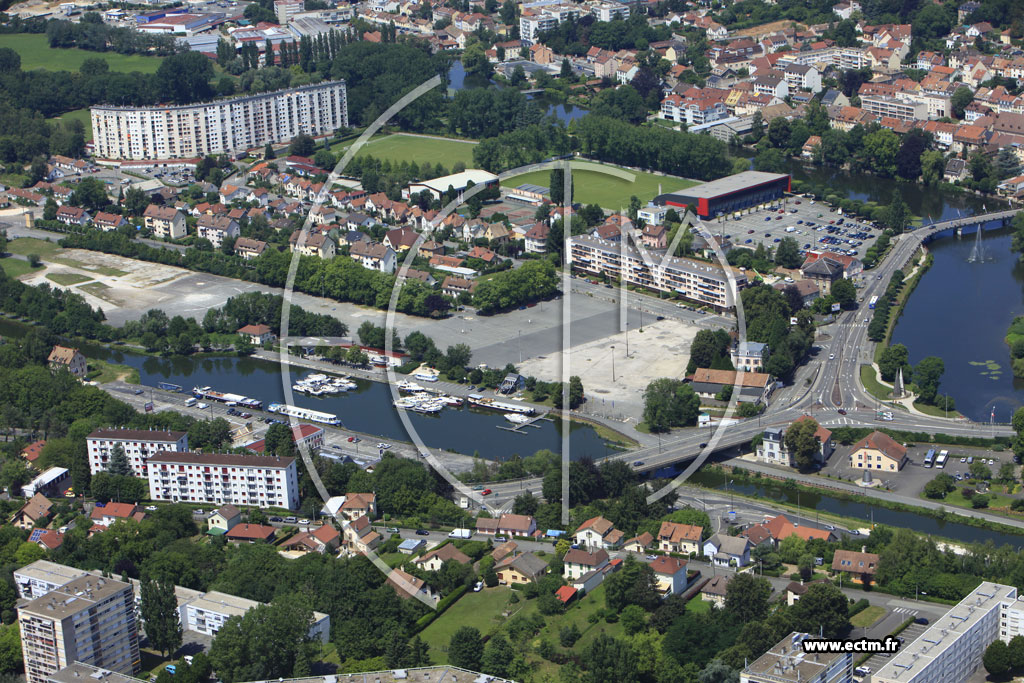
[[978, 250]]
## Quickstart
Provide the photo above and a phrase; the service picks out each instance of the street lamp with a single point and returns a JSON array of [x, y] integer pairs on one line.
[[613, 364]]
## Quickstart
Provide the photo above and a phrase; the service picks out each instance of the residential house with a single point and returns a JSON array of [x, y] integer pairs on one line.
[[823, 272], [669, 575], [754, 387], [359, 536], [578, 562], [779, 528], [72, 360], [639, 544], [108, 221], [408, 586], [510, 525], [728, 551], [324, 539], [504, 550], [749, 356], [807, 289], [773, 84], [105, 515], [216, 229], [521, 568], [165, 221], [73, 215], [536, 238], [357, 505], [679, 538], [35, 511], [432, 560], [221, 521], [878, 451], [859, 566], [598, 533], [250, 533], [400, 239], [454, 286], [229, 193], [49, 539], [654, 236], [715, 589], [773, 448], [257, 334], [32, 451], [249, 248], [315, 244], [374, 256]]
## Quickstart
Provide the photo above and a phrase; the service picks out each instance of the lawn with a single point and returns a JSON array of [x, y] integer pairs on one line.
[[865, 618], [608, 191], [995, 500], [869, 378], [36, 53], [16, 267], [67, 279], [480, 610], [698, 605], [103, 372], [400, 147], [53, 253], [78, 115]]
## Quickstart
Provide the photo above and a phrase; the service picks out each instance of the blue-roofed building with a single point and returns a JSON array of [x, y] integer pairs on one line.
[[750, 356], [411, 546]]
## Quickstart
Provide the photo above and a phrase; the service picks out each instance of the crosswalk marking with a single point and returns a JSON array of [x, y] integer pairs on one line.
[[906, 610]]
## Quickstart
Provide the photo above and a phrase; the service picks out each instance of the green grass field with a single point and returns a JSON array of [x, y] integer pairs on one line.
[[78, 115], [865, 618], [67, 279], [400, 147], [608, 191], [52, 253], [16, 267], [480, 610], [698, 605], [36, 53]]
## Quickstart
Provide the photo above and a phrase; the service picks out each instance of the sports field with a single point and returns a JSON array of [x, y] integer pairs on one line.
[[400, 147], [79, 115], [608, 191], [36, 54]]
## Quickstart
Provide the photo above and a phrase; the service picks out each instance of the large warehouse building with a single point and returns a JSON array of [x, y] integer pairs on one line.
[[219, 127], [733, 193]]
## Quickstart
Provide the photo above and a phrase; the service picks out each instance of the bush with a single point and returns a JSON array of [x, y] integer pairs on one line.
[[568, 635], [980, 501], [859, 606]]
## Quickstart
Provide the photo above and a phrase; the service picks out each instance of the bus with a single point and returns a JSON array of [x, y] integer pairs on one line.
[[940, 461], [929, 457], [874, 300]]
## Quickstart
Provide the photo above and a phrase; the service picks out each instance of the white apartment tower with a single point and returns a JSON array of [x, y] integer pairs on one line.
[[139, 445], [89, 619], [223, 126], [220, 478]]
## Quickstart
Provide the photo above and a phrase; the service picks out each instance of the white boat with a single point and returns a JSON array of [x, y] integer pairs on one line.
[[450, 400], [304, 413], [425, 377], [516, 418]]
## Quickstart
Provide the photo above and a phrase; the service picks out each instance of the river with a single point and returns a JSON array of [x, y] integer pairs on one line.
[[855, 509], [458, 79]]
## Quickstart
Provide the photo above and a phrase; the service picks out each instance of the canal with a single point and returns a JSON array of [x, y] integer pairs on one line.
[[367, 409], [858, 509]]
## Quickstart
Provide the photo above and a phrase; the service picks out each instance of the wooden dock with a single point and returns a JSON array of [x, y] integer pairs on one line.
[[518, 429]]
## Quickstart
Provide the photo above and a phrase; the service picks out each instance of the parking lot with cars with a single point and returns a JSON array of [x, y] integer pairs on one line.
[[814, 225]]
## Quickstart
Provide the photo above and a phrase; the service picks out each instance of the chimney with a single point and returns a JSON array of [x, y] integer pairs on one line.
[[863, 548]]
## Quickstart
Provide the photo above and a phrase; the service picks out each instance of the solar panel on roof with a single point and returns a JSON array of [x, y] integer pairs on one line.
[[36, 534]]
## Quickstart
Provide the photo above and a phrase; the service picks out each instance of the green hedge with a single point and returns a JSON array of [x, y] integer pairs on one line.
[[858, 607], [446, 602]]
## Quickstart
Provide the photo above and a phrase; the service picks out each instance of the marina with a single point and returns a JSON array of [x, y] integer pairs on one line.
[[319, 384], [491, 404]]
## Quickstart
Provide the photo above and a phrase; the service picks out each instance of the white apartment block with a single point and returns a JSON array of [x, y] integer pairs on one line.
[[219, 478], [950, 650], [89, 619], [839, 57], [539, 17], [698, 281], [138, 445], [42, 576], [609, 11], [208, 612], [896, 107], [222, 126]]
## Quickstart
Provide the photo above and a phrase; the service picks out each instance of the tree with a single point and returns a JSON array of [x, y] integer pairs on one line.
[[525, 504], [568, 635], [979, 470], [50, 209], [939, 486], [961, 98], [997, 658], [159, 610], [1006, 165], [497, 657], [119, 462], [897, 215], [844, 293], [302, 145], [633, 619], [185, 77], [787, 254], [269, 641], [770, 160], [466, 648], [927, 375], [894, 358], [802, 443], [746, 596], [575, 392], [268, 152], [556, 182], [823, 608], [908, 159], [1016, 647], [670, 403], [634, 584], [566, 69]]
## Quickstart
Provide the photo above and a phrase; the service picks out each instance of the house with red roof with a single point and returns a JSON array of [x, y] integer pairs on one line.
[[323, 539], [599, 534], [32, 451], [257, 334], [250, 533], [878, 452], [669, 574]]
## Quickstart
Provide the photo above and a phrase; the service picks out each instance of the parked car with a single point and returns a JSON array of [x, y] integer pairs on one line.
[[137, 392], [276, 519], [290, 520], [422, 532], [150, 508], [303, 521], [486, 492]]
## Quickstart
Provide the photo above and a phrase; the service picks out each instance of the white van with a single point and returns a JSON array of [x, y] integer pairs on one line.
[[202, 406], [189, 402]]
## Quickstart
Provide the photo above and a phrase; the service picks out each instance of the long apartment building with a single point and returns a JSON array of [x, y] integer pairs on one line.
[[221, 126], [538, 17], [219, 478], [903, 109], [89, 619], [839, 57], [704, 283], [139, 445], [950, 651]]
